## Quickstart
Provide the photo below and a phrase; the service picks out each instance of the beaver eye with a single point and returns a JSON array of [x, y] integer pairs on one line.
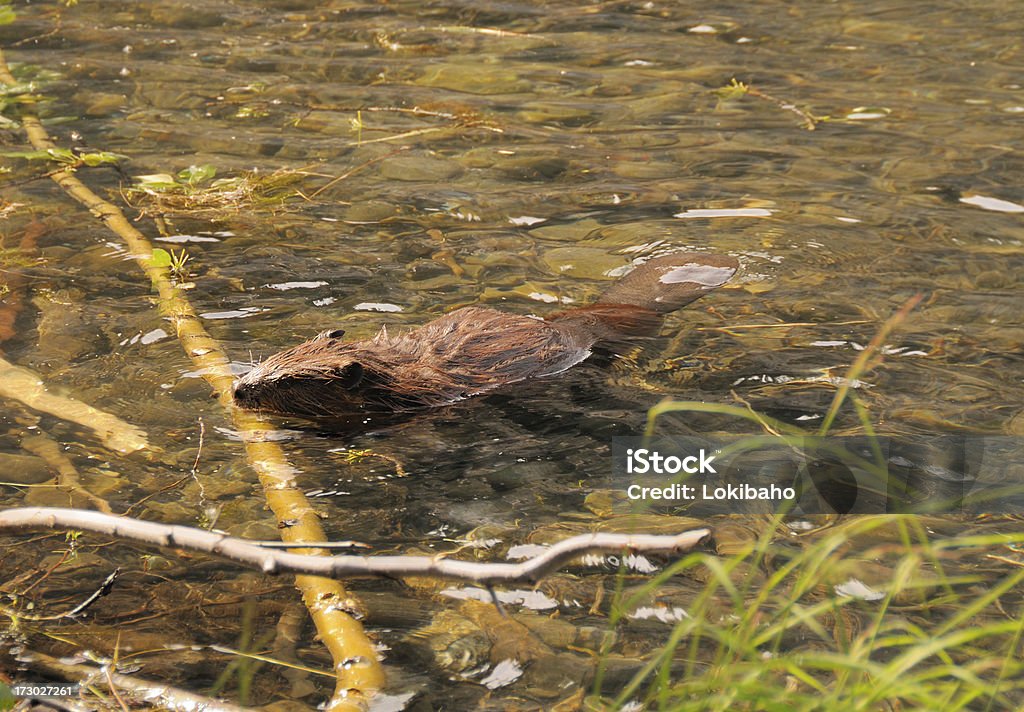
[[332, 334]]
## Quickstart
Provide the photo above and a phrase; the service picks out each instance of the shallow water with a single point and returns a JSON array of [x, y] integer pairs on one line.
[[551, 144]]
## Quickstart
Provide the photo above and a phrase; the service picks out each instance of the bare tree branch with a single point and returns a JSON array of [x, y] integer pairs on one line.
[[275, 562], [155, 695]]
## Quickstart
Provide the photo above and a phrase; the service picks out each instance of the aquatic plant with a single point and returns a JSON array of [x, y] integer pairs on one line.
[[196, 189], [813, 635]]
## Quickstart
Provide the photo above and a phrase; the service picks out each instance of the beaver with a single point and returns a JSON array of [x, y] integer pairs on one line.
[[471, 350]]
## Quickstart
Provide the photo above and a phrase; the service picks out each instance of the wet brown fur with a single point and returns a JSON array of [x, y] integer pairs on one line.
[[471, 350]]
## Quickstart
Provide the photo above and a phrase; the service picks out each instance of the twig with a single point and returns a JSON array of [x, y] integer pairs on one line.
[[780, 325], [151, 495], [30, 179], [355, 170], [808, 119], [194, 474], [668, 405], [199, 451], [480, 31], [191, 475], [275, 562], [345, 544], [735, 89], [64, 556], [395, 137], [1005, 560], [113, 688], [235, 652], [415, 111], [58, 22], [353, 456], [96, 595], [866, 360], [760, 418], [155, 695], [496, 601]]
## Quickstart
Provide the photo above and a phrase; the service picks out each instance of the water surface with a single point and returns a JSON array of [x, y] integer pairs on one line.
[[516, 155]]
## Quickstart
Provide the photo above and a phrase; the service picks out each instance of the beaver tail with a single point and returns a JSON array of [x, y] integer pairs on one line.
[[667, 283], [634, 305]]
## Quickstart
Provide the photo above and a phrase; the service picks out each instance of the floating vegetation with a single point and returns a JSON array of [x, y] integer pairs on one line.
[[357, 127], [175, 262], [24, 90], [454, 119], [68, 159], [7, 208], [735, 90], [196, 189]]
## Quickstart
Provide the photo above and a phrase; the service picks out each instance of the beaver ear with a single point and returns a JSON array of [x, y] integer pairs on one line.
[[331, 334], [350, 375]]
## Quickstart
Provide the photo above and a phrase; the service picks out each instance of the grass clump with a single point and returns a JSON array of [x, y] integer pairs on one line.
[[812, 636], [196, 190]]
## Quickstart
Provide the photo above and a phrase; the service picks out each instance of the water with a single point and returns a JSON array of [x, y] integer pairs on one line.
[[514, 155]]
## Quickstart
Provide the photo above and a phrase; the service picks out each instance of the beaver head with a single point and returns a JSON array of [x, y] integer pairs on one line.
[[323, 376]]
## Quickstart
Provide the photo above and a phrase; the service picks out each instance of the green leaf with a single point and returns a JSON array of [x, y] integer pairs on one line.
[[227, 183], [156, 178], [61, 155], [27, 155], [160, 258], [197, 174], [157, 183], [17, 88], [7, 15], [101, 157], [733, 90], [7, 699]]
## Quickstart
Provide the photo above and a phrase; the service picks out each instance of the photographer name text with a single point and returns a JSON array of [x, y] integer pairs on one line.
[[642, 461]]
